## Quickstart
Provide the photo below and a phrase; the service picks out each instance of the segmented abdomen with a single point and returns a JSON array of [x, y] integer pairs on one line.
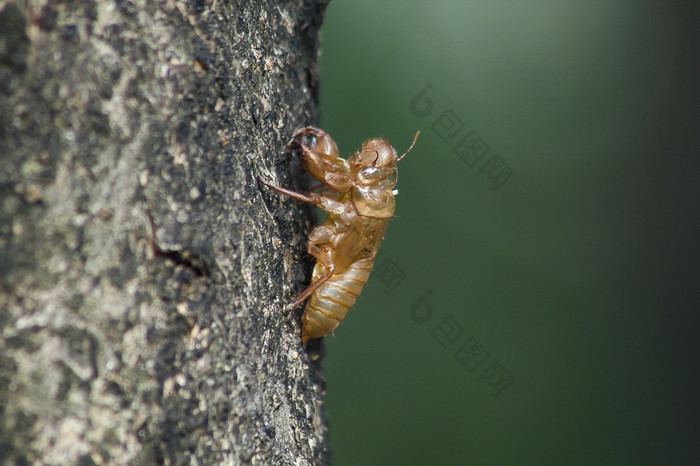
[[328, 305]]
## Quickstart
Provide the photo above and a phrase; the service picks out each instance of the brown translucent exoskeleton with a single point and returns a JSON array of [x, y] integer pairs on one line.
[[359, 199]]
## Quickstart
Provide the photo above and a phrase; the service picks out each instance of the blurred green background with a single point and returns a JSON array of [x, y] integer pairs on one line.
[[556, 329]]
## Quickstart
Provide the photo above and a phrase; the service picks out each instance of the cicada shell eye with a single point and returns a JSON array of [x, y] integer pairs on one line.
[[374, 175]]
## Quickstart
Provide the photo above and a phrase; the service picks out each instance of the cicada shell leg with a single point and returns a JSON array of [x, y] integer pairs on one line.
[[318, 235], [322, 160]]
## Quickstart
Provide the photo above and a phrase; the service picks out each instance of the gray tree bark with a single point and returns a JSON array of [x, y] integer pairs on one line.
[[143, 268]]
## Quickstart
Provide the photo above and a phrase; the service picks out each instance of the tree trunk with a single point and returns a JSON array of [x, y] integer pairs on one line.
[[144, 269]]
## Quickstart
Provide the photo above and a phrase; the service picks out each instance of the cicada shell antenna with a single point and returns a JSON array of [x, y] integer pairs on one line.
[[409, 149]]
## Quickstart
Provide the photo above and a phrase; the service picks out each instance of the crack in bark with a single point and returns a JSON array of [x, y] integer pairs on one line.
[[183, 257]]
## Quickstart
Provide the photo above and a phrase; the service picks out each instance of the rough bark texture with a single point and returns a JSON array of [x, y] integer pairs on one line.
[[143, 269]]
